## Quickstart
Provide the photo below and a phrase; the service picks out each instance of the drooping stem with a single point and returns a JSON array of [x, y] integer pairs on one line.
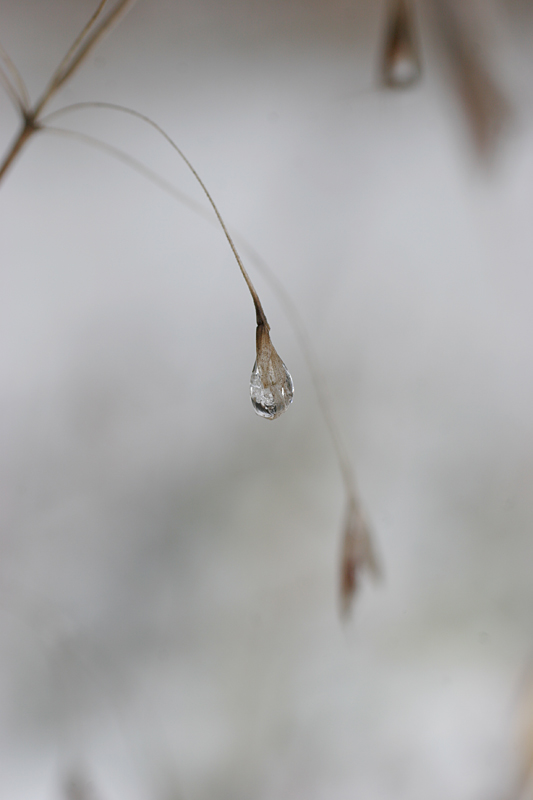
[[138, 166], [291, 311], [357, 543], [259, 312]]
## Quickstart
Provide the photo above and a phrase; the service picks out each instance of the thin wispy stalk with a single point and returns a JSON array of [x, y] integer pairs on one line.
[[79, 39], [358, 553], [485, 105], [136, 165], [86, 40], [271, 386], [82, 46], [271, 383], [260, 314], [11, 91], [18, 86], [357, 549]]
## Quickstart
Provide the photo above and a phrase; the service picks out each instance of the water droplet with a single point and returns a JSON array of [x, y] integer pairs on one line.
[[401, 60], [271, 394], [404, 70], [271, 386]]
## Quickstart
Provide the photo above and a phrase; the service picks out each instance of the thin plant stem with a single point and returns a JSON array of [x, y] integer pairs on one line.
[[11, 91], [19, 85], [78, 40], [357, 550], [138, 166], [79, 50], [279, 290], [27, 130], [260, 314], [65, 70], [295, 320]]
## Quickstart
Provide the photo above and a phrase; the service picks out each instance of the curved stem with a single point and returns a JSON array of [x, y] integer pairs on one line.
[[358, 550], [259, 312], [136, 165], [283, 296]]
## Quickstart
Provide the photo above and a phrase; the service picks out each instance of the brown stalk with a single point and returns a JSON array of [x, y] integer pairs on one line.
[[259, 312], [80, 52], [18, 86], [27, 130], [32, 121], [82, 45], [357, 549], [79, 39], [484, 103], [11, 91]]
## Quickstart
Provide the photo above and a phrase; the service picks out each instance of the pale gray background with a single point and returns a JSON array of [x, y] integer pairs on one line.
[[168, 561]]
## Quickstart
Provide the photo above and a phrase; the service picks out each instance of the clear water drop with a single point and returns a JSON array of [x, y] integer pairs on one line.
[[404, 70], [401, 57], [271, 389]]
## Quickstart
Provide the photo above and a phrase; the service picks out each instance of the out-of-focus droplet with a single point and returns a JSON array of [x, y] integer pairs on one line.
[[271, 386], [401, 60]]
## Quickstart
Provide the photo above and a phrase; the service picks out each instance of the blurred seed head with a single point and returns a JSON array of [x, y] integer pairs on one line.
[[357, 555]]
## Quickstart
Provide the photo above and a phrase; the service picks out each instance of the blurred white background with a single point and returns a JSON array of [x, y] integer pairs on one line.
[[169, 622]]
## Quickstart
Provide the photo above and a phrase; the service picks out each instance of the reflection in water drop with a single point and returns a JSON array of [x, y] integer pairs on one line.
[[272, 393], [271, 385]]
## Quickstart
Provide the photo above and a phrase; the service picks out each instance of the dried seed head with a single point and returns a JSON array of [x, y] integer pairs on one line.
[[486, 106], [357, 554], [271, 386]]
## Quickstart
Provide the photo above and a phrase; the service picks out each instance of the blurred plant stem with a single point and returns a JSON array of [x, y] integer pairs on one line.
[[88, 38]]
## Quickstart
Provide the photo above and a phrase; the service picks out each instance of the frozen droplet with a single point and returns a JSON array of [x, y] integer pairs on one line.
[[271, 385], [404, 70], [271, 393], [401, 59]]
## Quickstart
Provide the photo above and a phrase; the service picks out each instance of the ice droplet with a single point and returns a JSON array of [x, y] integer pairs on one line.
[[271, 386], [271, 393], [401, 59], [404, 70]]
